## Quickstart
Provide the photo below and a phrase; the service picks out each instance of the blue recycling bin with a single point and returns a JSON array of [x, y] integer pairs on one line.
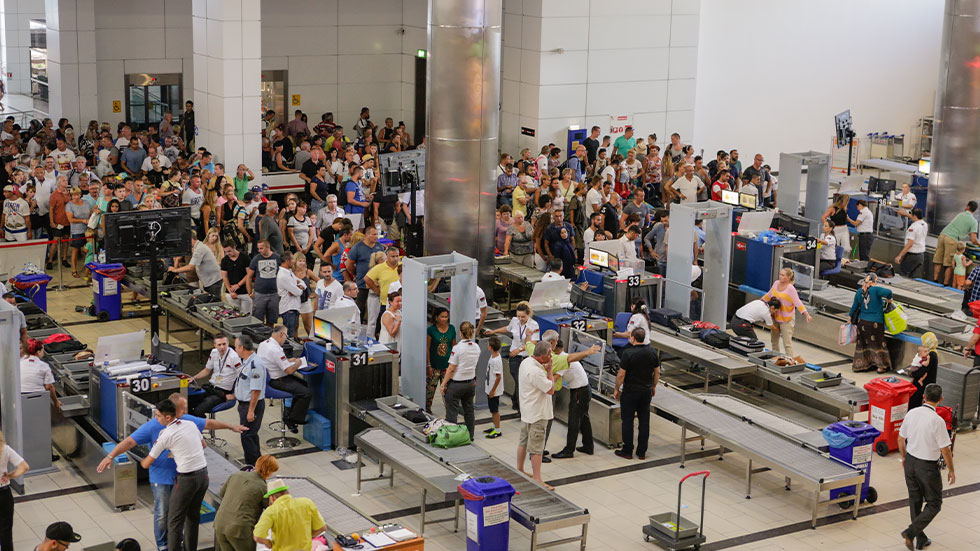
[[107, 291], [487, 500], [853, 442], [33, 287]]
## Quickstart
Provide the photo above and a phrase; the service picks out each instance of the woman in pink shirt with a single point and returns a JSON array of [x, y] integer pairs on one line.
[[785, 319]]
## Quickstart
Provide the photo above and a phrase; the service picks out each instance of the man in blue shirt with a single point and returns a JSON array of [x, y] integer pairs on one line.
[[624, 143], [356, 199], [506, 183], [163, 471], [577, 163], [359, 262], [250, 393]]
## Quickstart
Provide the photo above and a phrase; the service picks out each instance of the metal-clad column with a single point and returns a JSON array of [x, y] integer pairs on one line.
[[956, 142], [463, 87]]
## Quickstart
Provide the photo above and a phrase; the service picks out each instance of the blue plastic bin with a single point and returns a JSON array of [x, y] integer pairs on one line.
[[853, 443], [316, 431], [487, 513], [107, 292], [33, 287]]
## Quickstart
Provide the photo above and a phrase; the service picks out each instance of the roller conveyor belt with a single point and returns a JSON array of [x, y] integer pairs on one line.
[[219, 470], [408, 458], [451, 455], [700, 354], [340, 517], [758, 416], [789, 458]]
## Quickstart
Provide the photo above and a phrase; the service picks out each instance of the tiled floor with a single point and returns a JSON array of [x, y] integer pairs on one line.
[[619, 502]]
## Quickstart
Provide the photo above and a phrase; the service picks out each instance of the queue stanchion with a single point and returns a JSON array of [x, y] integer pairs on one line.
[[61, 267]]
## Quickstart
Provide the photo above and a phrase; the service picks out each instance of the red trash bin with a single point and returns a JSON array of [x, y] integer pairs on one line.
[[888, 403]]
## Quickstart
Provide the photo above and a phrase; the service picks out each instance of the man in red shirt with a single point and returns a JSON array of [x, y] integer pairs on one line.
[[720, 185]]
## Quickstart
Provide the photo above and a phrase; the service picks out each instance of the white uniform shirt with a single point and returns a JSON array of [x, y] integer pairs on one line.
[[639, 320], [575, 376], [34, 374], [551, 276], [755, 312], [519, 333], [925, 433], [907, 200], [865, 221], [481, 302], [534, 385], [465, 356], [346, 302], [224, 369], [495, 367], [185, 444], [828, 251], [10, 458], [917, 233], [274, 358]]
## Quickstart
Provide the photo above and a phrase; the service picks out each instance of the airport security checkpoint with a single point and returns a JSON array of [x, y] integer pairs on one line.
[[450, 337]]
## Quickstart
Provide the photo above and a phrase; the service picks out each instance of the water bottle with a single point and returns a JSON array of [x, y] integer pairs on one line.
[[101, 256], [105, 363], [377, 226]]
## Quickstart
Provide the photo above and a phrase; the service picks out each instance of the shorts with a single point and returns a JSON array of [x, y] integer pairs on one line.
[[533, 436], [306, 307], [945, 249], [78, 240], [494, 404]]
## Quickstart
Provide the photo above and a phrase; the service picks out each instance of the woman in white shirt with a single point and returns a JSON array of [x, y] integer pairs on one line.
[[638, 319], [828, 249], [522, 329], [391, 321], [8, 457], [35, 374], [459, 383]]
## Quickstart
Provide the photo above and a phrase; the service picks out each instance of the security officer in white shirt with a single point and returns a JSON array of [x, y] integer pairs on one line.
[[282, 375], [223, 366], [186, 445], [554, 270], [348, 300], [459, 382], [579, 397], [923, 438], [35, 374], [913, 254]]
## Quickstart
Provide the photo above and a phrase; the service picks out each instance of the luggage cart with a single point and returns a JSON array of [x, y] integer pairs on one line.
[[674, 532]]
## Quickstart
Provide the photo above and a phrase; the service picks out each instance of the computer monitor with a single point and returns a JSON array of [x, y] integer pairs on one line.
[[872, 184], [613, 262], [598, 257], [925, 165], [328, 332], [886, 186], [729, 197], [792, 224], [748, 200], [169, 355]]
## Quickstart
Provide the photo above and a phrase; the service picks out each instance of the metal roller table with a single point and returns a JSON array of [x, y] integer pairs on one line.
[[536, 508], [700, 354], [843, 400], [511, 273], [427, 474], [783, 455]]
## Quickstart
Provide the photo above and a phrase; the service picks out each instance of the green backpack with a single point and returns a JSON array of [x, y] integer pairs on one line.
[[450, 436]]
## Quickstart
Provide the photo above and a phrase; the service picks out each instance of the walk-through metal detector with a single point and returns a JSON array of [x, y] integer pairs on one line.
[[416, 275], [717, 259], [791, 181]]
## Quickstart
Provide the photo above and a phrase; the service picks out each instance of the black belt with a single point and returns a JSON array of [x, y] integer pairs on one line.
[[463, 381], [203, 470]]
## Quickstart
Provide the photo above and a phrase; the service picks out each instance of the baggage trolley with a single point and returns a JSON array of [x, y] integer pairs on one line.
[[674, 532]]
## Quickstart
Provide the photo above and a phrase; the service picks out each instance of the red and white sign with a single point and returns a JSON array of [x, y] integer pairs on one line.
[[329, 365], [618, 124]]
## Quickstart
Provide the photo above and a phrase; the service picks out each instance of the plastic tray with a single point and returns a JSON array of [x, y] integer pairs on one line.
[[689, 331], [73, 406], [821, 379], [239, 323], [666, 523], [947, 325]]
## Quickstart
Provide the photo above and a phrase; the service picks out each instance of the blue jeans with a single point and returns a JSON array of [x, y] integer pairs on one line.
[[161, 507], [291, 320]]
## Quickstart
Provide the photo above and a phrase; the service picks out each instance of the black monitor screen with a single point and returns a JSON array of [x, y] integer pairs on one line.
[[169, 355], [138, 235], [886, 186]]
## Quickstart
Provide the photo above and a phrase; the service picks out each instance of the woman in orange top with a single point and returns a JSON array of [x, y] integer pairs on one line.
[[785, 318]]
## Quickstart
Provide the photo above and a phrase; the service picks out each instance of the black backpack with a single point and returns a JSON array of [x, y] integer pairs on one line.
[[715, 338]]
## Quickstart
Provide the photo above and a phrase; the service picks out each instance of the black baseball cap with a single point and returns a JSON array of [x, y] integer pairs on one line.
[[61, 531]]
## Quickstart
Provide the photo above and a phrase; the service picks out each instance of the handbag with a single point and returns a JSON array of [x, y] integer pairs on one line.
[[450, 436], [896, 320], [847, 334], [93, 220]]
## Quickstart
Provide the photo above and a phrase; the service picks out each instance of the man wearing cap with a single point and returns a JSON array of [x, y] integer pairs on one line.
[[288, 524], [16, 217], [624, 143], [57, 537]]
